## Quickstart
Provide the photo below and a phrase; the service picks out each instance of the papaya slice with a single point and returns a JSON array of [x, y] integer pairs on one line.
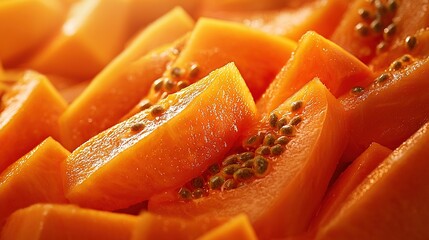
[[184, 134], [34, 178], [395, 92], [25, 25], [29, 114], [392, 202], [360, 168], [207, 50], [54, 221], [291, 22], [278, 187], [238, 227], [116, 89], [370, 28], [315, 56], [94, 32]]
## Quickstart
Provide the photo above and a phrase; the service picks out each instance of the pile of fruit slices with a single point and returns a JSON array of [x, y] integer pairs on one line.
[[214, 119]]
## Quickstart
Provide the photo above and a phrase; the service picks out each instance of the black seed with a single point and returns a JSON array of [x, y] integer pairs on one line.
[[383, 77], [197, 193], [281, 122], [389, 31], [145, 104], [273, 119], [231, 159], [295, 120], [263, 150], [246, 156], [230, 169], [197, 182], [287, 130], [137, 127], [213, 169], [357, 90], [260, 165], [283, 140], [182, 84], [177, 72], [158, 84], [381, 47], [406, 58], [277, 149], [248, 163], [157, 110], [381, 8], [229, 184], [216, 182], [410, 42], [169, 85], [269, 139], [392, 5], [362, 29], [194, 69], [364, 14], [376, 26], [243, 174], [252, 141], [185, 193], [296, 106], [396, 65]]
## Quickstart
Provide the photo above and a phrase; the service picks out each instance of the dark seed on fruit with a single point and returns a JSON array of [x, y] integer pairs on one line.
[[251, 141], [281, 122], [157, 110], [357, 90], [231, 159], [185, 193], [246, 156], [158, 84], [282, 140], [182, 84], [137, 127], [273, 119], [216, 182], [248, 163], [364, 14], [376, 26], [287, 130], [194, 69], [269, 139], [229, 184], [263, 150], [392, 5], [169, 85], [260, 165], [381, 8], [381, 47], [177, 72], [396, 65], [362, 29], [230, 169], [213, 169], [295, 120], [406, 58], [389, 31], [197, 182], [410, 42], [277, 149], [197, 193], [145, 104], [383, 77], [243, 174], [296, 106]]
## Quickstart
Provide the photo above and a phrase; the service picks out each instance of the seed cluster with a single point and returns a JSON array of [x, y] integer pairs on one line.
[[252, 161], [378, 21], [396, 65]]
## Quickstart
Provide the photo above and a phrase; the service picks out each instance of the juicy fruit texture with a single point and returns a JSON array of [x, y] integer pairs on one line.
[[238, 227], [93, 33], [34, 178], [282, 202], [144, 152], [315, 56], [116, 89], [37, 20], [53, 221], [392, 202], [31, 109], [401, 94], [349, 180]]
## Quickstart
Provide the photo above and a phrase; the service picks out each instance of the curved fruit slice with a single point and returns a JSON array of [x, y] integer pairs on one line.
[[392, 202], [400, 94], [119, 86], [291, 178], [349, 180], [34, 178], [237, 227], [207, 50], [315, 57], [372, 27], [52, 222], [30, 113], [319, 16], [94, 32], [162, 147], [25, 24]]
